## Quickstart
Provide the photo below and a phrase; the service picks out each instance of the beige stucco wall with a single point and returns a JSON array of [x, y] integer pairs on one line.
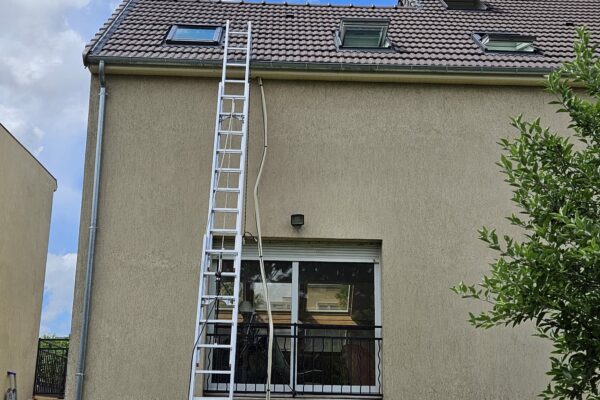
[[411, 165], [26, 190]]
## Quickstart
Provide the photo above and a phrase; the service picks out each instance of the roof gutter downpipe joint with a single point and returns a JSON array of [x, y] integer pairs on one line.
[[85, 319]]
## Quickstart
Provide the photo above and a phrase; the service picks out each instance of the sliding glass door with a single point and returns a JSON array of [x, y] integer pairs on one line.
[[327, 333]]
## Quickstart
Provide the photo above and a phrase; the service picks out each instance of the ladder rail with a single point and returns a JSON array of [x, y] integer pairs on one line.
[[222, 154], [238, 238], [204, 256]]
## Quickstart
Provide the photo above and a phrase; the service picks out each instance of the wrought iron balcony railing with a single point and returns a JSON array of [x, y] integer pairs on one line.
[[307, 359], [51, 367]]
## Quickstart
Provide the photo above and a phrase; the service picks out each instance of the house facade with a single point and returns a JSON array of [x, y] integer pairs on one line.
[[383, 125], [25, 208]]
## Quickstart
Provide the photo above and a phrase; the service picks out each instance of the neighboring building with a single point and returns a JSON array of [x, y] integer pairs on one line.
[[26, 190], [383, 130]]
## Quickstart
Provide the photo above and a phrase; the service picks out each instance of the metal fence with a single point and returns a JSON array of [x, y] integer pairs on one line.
[[51, 367], [307, 359]]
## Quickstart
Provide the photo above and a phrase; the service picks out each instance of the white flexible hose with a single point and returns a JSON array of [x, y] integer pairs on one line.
[[260, 249]]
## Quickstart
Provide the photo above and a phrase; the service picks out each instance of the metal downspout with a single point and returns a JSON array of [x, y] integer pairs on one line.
[[91, 239]]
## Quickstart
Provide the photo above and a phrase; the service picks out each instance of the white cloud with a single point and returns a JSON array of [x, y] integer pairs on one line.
[[44, 94], [43, 85], [58, 294]]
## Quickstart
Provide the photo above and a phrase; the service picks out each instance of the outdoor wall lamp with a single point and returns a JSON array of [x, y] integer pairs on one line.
[[297, 220]]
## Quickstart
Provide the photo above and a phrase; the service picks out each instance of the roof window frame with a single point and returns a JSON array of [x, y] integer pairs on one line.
[[365, 23], [479, 39], [215, 41]]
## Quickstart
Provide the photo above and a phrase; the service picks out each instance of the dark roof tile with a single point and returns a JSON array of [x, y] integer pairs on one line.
[[428, 36]]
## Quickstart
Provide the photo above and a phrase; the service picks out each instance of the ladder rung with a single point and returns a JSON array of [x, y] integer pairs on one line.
[[232, 133], [229, 170], [225, 210], [229, 151], [237, 48], [218, 297], [212, 371], [213, 273], [233, 97], [222, 251], [216, 321], [232, 114], [224, 231], [242, 65], [237, 33], [235, 81], [213, 346], [227, 190]]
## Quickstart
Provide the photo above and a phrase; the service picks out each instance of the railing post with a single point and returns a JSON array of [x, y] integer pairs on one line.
[[37, 363], [294, 357]]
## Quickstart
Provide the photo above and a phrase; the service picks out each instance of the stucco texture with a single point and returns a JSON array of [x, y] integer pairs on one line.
[[26, 190], [412, 165]]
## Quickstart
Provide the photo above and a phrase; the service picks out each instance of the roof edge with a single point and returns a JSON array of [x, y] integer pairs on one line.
[[112, 23], [330, 71], [31, 155]]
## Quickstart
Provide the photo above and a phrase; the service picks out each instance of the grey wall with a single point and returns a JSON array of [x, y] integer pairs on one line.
[[410, 165], [26, 190]]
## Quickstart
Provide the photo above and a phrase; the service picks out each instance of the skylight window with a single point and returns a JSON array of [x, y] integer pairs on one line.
[[194, 34], [363, 34], [465, 5], [505, 42]]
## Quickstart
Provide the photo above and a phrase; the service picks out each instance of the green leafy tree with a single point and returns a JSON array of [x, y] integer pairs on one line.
[[550, 275]]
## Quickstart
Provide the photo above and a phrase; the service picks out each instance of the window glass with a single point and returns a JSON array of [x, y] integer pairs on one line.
[[363, 33], [336, 312], [502, 42], [194, 34], [362, 37], [252, 307], [334, 342], [336, 293], [200, 34]]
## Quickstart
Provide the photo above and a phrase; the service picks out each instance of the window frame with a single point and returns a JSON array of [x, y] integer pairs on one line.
[[215, 41], [361, 23], [478, 39], [321, 253]]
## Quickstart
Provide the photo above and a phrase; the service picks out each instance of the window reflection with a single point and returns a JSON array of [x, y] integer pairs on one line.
[[336, 301], [336, 293], [332, 344]]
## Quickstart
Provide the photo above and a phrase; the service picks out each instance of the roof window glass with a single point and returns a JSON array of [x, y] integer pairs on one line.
[[194, 34], [505, 42], [363, 34]]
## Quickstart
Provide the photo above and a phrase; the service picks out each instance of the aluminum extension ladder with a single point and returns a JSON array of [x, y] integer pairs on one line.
[[218, 293]]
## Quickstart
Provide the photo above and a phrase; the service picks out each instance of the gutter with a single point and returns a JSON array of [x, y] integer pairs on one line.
[[330, 71], [83, 335]]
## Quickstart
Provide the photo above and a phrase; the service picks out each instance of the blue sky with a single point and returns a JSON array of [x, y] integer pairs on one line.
[[44, 92]]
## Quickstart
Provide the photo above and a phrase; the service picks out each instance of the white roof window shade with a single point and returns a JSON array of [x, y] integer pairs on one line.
[[363, 34], [505, 42], [476, 5], [195, 34]]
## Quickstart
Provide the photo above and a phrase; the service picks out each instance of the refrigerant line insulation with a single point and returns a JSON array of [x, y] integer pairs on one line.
[[259, 238]]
